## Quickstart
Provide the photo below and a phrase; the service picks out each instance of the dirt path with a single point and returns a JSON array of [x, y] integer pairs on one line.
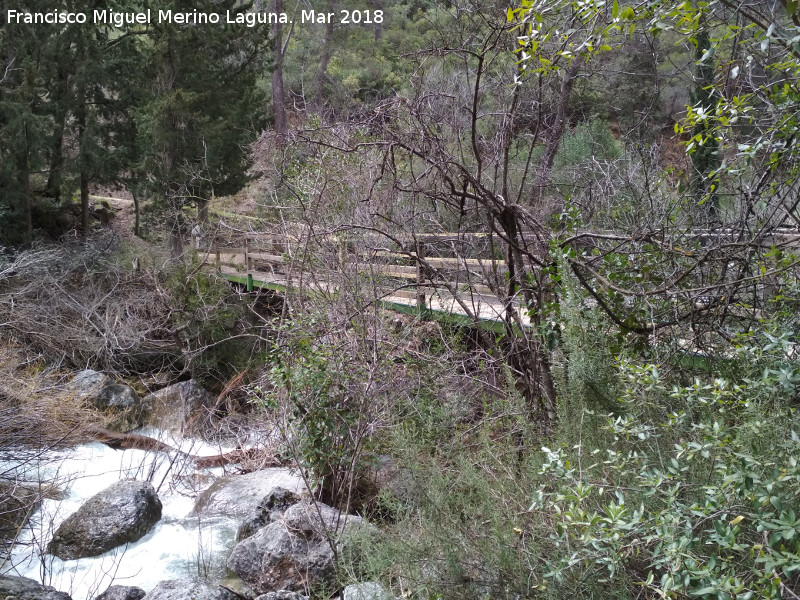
[[122, 225]]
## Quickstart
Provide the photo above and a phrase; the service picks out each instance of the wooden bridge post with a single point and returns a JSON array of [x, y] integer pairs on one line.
[[420, 275], [248, 260]]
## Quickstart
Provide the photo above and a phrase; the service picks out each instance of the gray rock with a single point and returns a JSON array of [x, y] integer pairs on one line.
[[282, 595], [239, 496], [369, 590], [189, 589], [122, 513], [87, 384], [293, 553], [182, 408], [268, 510], [17, 503], [117, 396], [121, 402], [122, 592], [315, 518], [23, 588]]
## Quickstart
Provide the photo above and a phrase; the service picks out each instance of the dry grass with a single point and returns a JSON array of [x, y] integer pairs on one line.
[[36, 408]]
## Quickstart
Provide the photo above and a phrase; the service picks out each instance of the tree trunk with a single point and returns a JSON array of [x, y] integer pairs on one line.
[[557, 133], [24, 179], [54, 177], [378, 5], [278, 90], [84, 176], [325, 58], [136, 230], [176, 244], [57, 158], [84, 204], [173, 195], [527, 355], [202, 210]]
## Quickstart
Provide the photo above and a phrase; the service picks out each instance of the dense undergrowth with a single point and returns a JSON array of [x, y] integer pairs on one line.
[[681, 491]]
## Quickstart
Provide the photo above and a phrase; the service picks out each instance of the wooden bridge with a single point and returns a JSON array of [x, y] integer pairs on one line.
[[453, 286], [451, 274]]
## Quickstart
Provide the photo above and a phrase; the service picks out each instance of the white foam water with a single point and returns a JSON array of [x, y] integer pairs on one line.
[[179, 545]]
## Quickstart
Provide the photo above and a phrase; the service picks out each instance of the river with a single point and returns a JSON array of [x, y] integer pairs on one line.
[[179, 545]]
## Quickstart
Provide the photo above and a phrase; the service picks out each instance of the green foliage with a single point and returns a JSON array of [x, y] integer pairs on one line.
[[77, 83], [693, 495], [459, 510], [327, 409], [215, 328], [589, 376], [685, 491], [587, 140], [202, 110]]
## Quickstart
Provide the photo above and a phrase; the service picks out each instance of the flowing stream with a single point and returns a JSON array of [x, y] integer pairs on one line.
[[179, 545]]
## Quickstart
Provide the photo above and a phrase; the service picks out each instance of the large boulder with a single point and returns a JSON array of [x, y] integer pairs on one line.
[[295, 552], [270, 509], [116, 396], [181, 408], [87, 384], [23, 588], [239, 496], [122, 592], [17, 503], [122, 513], [121, 403], [189, 589]]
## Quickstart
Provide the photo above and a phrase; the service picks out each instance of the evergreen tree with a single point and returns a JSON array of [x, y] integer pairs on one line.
[[76, 82], [25, 122], [195, 131], [110, 75]]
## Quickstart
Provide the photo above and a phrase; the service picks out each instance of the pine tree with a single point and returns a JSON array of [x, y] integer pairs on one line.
[[25, 123], [195, 131], [73, 82]]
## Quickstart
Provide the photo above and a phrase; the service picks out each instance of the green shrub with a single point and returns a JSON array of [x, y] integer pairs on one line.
[[331, 405], [684, 491], [695, 495], [458, 508], [217, 331]]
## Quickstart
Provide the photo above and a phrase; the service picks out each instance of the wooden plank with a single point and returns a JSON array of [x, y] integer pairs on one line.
[[389, 271], [233, 258], [386, 269], [447, 263], [270, 258], [223, 250], [411, 294]]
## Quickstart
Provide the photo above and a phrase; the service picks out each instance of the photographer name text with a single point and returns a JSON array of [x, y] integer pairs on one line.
[[248, 19]]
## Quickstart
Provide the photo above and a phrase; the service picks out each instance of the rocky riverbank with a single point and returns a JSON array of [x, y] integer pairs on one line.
[[276, 542]]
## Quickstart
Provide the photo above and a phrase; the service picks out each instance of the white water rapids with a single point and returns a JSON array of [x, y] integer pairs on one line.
[[179, 545]]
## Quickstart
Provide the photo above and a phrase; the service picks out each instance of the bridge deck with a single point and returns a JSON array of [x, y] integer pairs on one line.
[[487, 309]]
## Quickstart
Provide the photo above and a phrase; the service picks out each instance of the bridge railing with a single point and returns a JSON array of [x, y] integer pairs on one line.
[[413, 270]]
